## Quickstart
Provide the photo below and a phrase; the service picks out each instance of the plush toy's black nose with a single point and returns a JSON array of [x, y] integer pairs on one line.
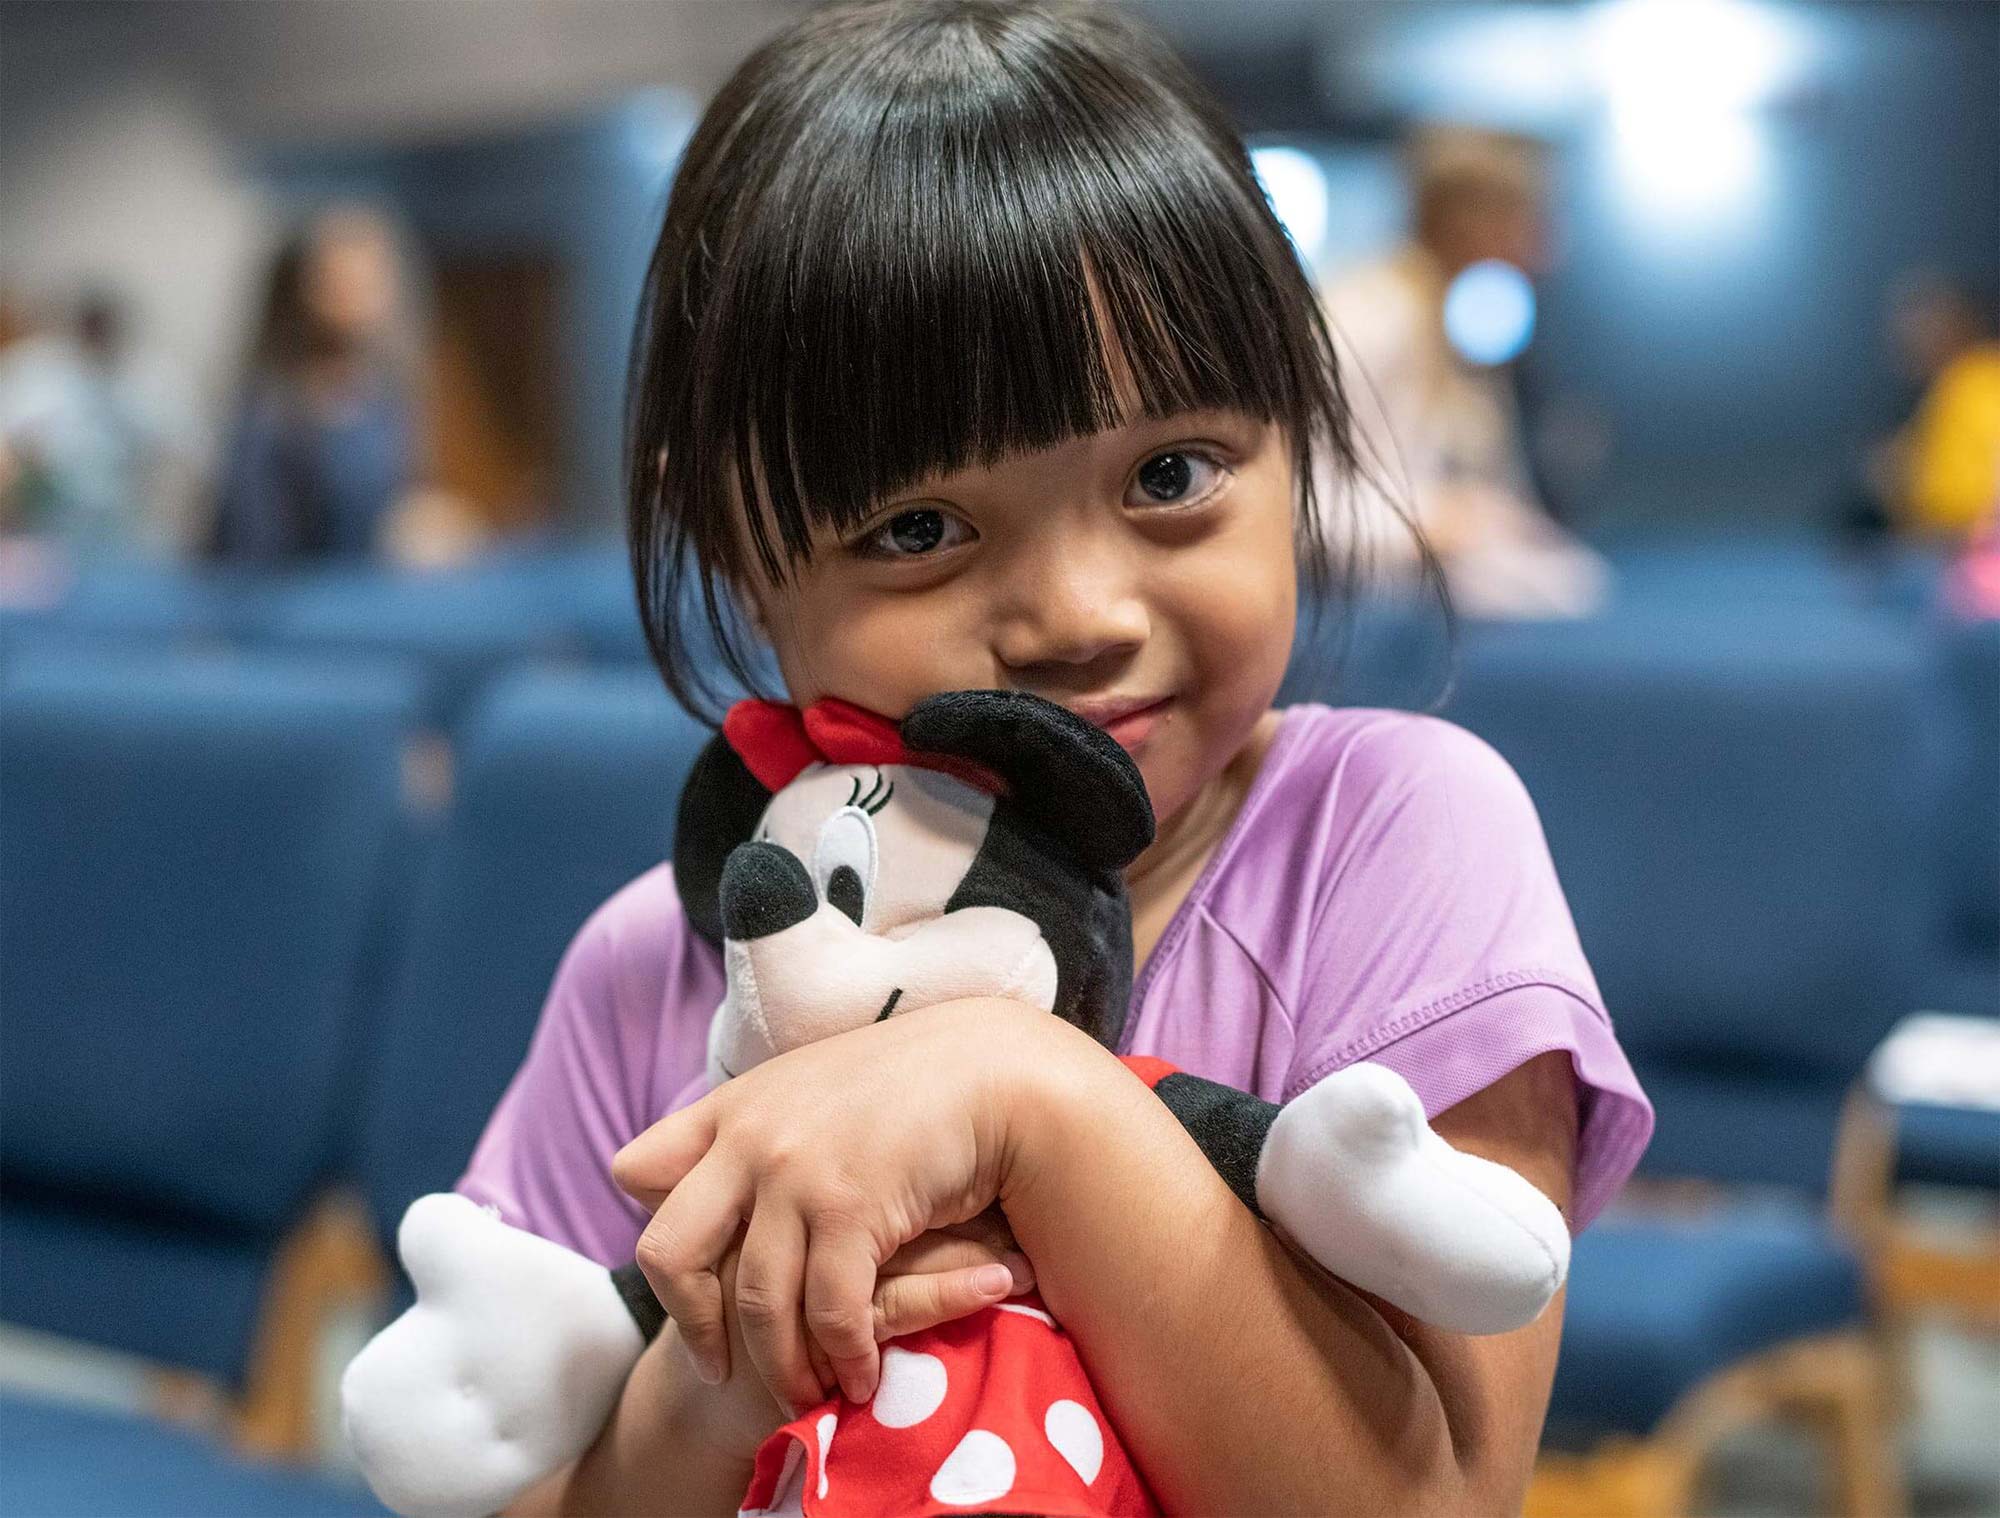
[[765, 890]]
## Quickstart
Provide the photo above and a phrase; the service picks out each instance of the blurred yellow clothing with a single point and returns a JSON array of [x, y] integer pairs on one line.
[[1953, 478]]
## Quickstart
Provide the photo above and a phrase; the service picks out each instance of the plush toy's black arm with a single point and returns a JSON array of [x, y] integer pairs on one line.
[[1230, 1126], [639, 1300]]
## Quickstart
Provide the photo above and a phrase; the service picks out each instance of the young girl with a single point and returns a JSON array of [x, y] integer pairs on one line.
[[972, 356]]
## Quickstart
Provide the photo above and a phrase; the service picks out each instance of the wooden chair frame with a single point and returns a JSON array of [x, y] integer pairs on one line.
[[1848, 1388], [328, 1263]]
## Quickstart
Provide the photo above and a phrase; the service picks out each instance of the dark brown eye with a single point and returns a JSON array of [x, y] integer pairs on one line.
[[916, 533], [1178, 477], [1167, 477]]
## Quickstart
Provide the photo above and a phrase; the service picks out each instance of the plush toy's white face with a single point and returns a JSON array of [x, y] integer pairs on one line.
[[885, 848]]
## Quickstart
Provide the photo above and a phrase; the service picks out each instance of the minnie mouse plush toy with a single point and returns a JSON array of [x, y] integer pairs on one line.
[[850, 868]]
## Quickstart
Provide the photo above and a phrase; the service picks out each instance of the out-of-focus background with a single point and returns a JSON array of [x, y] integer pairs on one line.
[[325, 718]]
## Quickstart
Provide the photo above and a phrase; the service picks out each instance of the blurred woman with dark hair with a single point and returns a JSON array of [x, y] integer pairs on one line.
[[323, 449]]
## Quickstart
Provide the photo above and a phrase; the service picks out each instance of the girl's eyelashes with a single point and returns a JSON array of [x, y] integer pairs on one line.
[[1176, 477], [916, 532]]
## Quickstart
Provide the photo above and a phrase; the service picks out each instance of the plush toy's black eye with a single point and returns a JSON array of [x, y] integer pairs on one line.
[[843, 892]]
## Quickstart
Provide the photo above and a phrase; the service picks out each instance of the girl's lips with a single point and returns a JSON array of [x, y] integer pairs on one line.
[[1128, 724]]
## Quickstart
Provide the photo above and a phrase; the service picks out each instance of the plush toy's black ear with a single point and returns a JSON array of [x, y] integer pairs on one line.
[[720, 806], [1070, 780]]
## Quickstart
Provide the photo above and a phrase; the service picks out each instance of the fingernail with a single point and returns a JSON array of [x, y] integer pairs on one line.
[[993, 1280], [1019, 1270], [709, 1369]]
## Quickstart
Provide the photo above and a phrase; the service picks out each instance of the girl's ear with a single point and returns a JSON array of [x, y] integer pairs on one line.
[[721, 805]]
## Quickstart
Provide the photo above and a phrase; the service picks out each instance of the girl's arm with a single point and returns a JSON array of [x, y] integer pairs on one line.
[[672, 1444], [1241, 1378]]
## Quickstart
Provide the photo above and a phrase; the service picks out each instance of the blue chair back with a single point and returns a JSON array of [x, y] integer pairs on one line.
[[1734, 801], [567, 788], [462, 627], [189, 854], [1970, 825]]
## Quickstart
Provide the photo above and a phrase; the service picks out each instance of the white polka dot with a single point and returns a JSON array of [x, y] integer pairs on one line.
[[1026, 1312], [911, 1389], [981, 1469], [1076, 1436], [826, 1423]]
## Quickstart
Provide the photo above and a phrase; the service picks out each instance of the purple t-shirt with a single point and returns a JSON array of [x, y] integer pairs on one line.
[[1385, 894]]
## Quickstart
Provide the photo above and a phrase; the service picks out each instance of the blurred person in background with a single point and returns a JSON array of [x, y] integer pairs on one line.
[[1938, 478], [88, 448], [322, 463], [1439, 433]]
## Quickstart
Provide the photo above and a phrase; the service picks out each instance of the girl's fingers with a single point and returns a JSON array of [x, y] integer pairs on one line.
[[840, 1307], [660, 1158], [769, 1274], [909, 1303], [937, 1252], [678, 1254], [822, 1367]]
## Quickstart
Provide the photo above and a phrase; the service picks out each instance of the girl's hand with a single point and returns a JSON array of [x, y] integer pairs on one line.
[[838, 1154]]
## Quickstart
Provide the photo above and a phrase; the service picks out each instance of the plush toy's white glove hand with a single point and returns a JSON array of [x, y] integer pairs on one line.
[[505, 1369], [1354, 1175]]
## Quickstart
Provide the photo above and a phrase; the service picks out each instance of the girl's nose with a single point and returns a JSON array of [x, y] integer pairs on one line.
[[1071, 615]]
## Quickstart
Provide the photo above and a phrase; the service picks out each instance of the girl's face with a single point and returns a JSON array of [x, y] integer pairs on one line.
[[1142, 577]]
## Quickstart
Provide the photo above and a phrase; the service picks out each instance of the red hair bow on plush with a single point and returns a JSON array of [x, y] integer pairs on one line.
[[776, 742]]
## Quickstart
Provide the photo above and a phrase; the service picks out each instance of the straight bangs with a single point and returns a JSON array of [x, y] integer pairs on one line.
[[911, 238]]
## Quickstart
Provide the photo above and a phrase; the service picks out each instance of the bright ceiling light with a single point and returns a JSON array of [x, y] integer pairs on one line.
[[1295, 184], [1684, 82], [1489, 312]]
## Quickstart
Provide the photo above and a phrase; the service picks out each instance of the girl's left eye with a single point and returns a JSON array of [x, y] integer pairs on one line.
[[1178, 477], [915, 534]]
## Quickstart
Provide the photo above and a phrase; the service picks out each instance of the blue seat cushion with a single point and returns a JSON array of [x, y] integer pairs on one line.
[[187, 1296], [1657, 1306], [71, 1462], [1948, 1146]]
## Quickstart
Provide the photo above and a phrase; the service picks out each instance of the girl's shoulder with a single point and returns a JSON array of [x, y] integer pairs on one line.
[[639, 944], [1383, 855], [1335, 773]]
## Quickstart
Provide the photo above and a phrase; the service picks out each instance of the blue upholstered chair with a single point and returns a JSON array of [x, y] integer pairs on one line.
[[1734, 803], [1968, 979], [1383, 650], [190, 852], [566, 790], [461, 627]]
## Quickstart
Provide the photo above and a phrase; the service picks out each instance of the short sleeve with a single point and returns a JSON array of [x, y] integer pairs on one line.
[[622, 1031], [1441, 945]]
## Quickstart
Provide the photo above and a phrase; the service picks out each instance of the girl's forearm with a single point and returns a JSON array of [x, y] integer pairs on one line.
[[1240, 1379], [659, 1453]]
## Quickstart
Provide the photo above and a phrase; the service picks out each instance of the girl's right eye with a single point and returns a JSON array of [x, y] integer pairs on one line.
[[919, 532]]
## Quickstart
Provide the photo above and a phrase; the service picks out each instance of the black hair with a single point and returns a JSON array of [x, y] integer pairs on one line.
[[908, 236]]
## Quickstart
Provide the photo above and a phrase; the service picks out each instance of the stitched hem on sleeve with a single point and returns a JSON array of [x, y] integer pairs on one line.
[[1519, 1015]]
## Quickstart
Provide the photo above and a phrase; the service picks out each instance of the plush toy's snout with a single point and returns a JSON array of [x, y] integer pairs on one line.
[[765, 889]]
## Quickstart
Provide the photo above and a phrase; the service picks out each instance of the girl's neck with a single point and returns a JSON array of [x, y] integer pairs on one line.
[[1160, 879]]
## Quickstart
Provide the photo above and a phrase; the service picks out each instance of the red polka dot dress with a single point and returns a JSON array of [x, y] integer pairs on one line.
[[991, 1414]]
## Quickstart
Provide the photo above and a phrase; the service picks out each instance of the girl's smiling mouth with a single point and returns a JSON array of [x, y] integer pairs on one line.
[[1130, 720]]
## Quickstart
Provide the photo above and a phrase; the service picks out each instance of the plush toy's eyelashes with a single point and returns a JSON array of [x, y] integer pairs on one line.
[[880, 791]]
